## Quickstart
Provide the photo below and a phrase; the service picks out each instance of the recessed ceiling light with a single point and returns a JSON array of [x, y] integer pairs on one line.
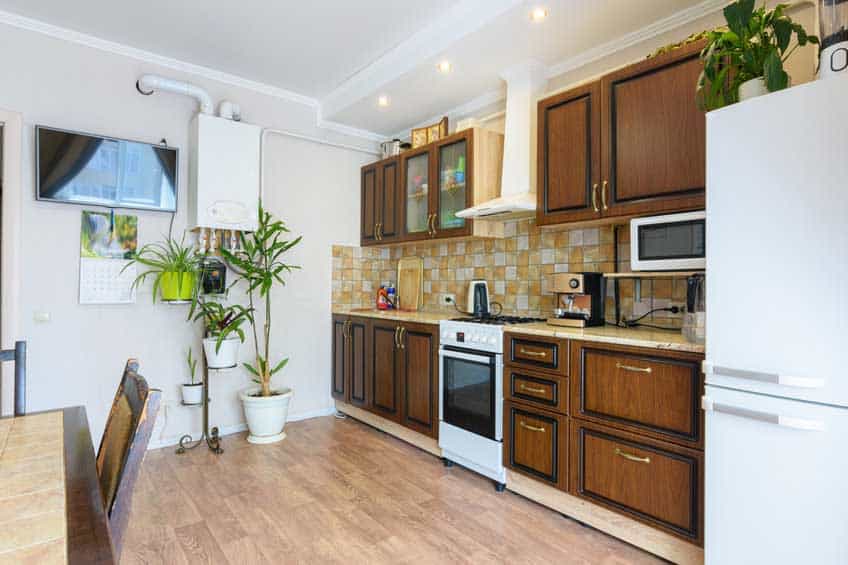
[[383, 101], [538, 14], [444, 67]]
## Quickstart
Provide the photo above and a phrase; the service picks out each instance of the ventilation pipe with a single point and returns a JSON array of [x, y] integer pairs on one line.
[[148, 84]]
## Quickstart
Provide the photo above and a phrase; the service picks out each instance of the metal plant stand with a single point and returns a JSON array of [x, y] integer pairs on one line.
[[210, 436]]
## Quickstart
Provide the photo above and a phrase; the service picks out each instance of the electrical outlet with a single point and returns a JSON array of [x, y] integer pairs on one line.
[[448, 299]]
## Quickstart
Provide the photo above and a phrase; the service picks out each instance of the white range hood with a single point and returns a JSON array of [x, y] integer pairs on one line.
[[524, 84]]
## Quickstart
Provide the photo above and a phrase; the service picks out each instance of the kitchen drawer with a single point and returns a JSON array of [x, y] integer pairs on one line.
[[536, 389], [645, 391], [655, 482], [536, 444], [538, 353]]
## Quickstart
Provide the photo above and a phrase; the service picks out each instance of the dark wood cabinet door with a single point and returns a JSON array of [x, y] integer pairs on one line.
[[385, 371], [369, 199], [536, 444], [420, 378], [654, 147], [569, 156], [389, 197], [357, 338], [339, 386], [647, 392], [655, 482], [452, 184]]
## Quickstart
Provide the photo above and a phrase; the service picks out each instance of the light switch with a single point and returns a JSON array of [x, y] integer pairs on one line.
[[41, 317]]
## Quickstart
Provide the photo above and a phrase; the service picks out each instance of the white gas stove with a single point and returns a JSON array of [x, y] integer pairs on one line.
[[471, 391]]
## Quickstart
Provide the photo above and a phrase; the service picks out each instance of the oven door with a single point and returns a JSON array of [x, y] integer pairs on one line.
[[471, 391]]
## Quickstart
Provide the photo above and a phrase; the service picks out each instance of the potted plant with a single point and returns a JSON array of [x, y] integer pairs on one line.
[[745, 59], [223, 331], [192, 390], [173, 266], [259, 264]]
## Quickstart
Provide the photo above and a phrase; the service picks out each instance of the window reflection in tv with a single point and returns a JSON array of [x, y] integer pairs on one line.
[[102, 171]]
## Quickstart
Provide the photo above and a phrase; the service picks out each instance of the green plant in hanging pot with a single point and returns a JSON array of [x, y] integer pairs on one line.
[[260, 265], [746, 58], [223, 332], [173, 266]]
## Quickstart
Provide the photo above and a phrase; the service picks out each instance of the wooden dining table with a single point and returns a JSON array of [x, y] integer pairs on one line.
[[51, 509]]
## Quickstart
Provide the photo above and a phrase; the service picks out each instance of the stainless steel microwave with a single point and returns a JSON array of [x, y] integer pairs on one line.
[[673, 242]]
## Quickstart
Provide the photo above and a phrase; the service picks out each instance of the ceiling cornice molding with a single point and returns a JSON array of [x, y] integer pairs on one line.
[[348, 130], [659, 27], [458, 21], [646, 33]]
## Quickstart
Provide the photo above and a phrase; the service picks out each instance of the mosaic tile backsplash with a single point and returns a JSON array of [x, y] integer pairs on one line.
[[516, 267]]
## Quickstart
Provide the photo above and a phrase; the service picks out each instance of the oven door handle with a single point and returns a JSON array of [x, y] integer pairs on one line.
[[485, 359]]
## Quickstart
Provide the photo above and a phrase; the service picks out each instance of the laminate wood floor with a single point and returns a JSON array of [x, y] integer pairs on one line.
[[338, 491]]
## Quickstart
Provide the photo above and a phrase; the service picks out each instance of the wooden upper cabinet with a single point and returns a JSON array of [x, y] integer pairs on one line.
[[654, 150], [380, 202], [454, 162], [368, 231], [632, 143], [416, 172], [569, 156]]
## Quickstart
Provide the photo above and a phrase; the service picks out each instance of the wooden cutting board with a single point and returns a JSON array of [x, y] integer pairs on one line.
[[410, 283]]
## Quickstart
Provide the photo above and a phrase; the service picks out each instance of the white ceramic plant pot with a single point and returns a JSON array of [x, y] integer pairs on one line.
[[226, 357], [752, 88], [192, 393], [266, 415]]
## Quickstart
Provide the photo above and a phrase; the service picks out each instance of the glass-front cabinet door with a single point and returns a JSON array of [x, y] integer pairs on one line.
[[454, 182], [416, 179]]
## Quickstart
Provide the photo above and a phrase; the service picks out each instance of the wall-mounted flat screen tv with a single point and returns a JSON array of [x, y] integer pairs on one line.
[[80, 168]]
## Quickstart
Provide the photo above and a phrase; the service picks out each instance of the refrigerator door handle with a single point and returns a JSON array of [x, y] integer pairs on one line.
[[772, 378], [767, 417]]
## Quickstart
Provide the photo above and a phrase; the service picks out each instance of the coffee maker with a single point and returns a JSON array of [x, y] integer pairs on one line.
[[580, 299]]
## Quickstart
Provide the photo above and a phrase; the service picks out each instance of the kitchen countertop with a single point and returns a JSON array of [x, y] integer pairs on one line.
[[637, 337]]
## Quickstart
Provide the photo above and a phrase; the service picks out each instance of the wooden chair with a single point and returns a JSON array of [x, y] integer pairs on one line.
[[18, 355], [123, 446]]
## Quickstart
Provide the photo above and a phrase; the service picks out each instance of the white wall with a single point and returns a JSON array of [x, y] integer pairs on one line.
[[77, 357]]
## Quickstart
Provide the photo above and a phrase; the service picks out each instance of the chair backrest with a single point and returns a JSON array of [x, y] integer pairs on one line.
[[123, 445], [18, 355]]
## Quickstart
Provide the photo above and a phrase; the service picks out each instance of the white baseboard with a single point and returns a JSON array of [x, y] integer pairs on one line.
[[238, 428]]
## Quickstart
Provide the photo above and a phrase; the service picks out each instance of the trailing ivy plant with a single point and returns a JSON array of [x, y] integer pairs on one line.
[[756, 43], [259, 263]]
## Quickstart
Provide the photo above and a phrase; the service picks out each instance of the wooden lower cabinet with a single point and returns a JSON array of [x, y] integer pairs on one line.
[[655, 482], [536, 443], [655, 393], [388, 368], [349, 381]]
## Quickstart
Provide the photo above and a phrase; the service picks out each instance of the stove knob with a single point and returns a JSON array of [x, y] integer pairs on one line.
[[475, 338], [493, 341]]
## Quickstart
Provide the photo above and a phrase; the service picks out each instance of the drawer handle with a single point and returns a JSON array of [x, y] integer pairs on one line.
[[532, 389], [631, 457], [529, 427], [634, 369], [533, 353]]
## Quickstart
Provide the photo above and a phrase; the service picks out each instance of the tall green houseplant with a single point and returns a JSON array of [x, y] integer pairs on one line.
[[259, 263], [755, 44]]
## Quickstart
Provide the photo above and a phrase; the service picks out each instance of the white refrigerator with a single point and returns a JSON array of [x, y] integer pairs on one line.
[[776, 400]]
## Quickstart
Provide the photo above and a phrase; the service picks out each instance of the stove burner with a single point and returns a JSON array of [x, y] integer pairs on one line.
[[498, 320]]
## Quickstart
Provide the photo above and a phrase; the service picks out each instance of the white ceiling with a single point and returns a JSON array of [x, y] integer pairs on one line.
[[345, 53], [306, 47]]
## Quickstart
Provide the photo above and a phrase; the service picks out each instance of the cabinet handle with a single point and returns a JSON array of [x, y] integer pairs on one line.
[[397, 331], [532, 389], [432, 224], [346, 329], [527, 426], [634, 369], [604, 195], [380, 231], [523, 351], [595, 197], [400, 338], [631, 457]]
